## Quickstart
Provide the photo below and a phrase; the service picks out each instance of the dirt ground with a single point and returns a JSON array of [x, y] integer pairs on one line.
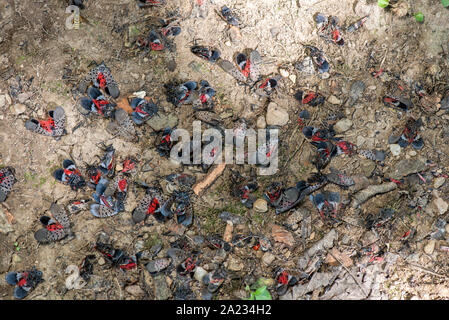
[[42, 61]]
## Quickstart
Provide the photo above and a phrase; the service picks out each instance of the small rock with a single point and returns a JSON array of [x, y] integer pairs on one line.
[[412, 153], [268, 258], [19, 108], [406, 167], [16, 258], [445, 103], [367, 167], [274, 31], [135, 290], [2, 101], [325, 75], [438, 182], [343, 125], [440, 205], [292, 78], [139, 245], [356, 91], [395, 149], [24, 96], [101, 261], [360, 141], [199, 274], [158, 265], [261, 123], [306, 66], [5, 226], [260, 205], [333, 100], [161, 121], [430, 247], [276, 116], [161, 289], [284, 73], [235, 264]]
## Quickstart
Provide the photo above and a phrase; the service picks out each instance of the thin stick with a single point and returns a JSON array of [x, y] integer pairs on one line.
[[349, 272], [428, 271], [210, 178]]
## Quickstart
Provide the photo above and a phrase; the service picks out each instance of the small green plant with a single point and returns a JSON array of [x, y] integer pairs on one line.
[[16, 245], [260, 290], [445, 3], [260, 294], [419, 17], [383, 3]]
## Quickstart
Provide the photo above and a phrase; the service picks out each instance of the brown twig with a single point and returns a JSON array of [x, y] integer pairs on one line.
[[350, 273], [199, 187], [427, 270]]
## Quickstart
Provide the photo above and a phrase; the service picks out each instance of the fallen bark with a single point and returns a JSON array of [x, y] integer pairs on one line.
[[371, 191]]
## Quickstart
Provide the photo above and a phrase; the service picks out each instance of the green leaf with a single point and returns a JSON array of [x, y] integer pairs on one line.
[[263, 294], [445, 3], [419, 17], [383, 3]]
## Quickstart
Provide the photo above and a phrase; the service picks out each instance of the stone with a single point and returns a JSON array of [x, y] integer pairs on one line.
[[276, 116], [292, 78], [260, 205], [306, 66], [139, 245], [440, 205], [406, 167], [356, 92], [367, 167], [360, 141], [275, 31], [284, 73], [101, 261], [19, 108], [333, 100], [430, 247], [24, 96], [5, 226], [2, 101], [438, 182], [445, 103], [293, 220], [16, 258], [268, 258], [395, 149], [162, 121], [261, 123], [235, 264], [161, 289], [343, 125], [199, 274], [135, 290]]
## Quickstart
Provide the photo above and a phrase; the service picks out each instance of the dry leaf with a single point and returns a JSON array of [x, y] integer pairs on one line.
[[281, 235]]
